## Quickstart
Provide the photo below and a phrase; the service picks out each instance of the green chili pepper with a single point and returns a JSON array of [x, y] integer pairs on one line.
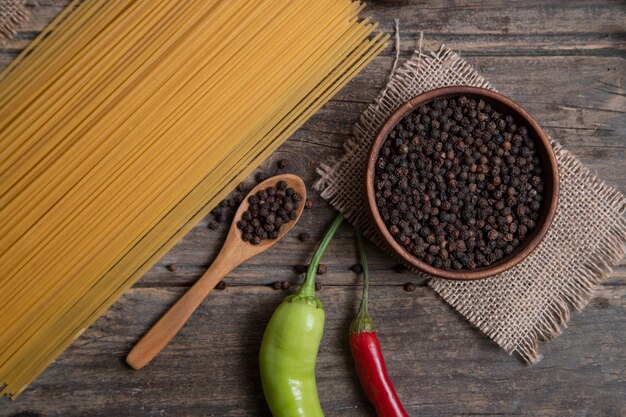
[[290, 344]]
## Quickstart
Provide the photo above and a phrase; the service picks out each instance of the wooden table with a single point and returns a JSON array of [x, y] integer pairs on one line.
[[565, 62]]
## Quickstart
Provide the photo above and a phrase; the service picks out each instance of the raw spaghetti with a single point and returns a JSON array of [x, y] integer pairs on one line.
[[124, 123]]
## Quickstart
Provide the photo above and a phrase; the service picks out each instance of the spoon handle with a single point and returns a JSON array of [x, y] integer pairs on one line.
[[170, 324]]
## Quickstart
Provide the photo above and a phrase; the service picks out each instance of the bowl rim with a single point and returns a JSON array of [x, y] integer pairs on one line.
[[480, 273]]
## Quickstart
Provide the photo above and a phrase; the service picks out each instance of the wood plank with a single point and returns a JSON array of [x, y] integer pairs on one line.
[[508, 17], [565, 63], [526, 28], [439, 363]]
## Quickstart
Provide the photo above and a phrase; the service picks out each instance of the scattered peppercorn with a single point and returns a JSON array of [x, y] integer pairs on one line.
[[308, 204], [172, 267], [304, 237], [456, 180], [241, 187], [268, 211], [277, 285], [409, 287], [357, 268], [321, 269], [285, 285], [213, 225], [260, 176], [283, 164], [221, 285]]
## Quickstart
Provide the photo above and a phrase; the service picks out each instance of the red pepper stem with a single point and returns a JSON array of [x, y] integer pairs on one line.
[[308, 286], [362, 322]]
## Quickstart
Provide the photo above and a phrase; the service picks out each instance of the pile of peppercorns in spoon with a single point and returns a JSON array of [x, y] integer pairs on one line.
[[269, 209], [458, 184]]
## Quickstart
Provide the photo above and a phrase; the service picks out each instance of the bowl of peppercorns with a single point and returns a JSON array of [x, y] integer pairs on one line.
[[461, 183]]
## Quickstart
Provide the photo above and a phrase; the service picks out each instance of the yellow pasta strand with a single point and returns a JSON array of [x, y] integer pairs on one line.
[[124, 123]]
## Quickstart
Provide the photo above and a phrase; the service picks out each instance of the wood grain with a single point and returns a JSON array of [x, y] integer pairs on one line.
[[565, 62]]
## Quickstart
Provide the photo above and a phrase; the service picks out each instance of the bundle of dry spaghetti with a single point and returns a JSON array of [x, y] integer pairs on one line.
[[124, 123]]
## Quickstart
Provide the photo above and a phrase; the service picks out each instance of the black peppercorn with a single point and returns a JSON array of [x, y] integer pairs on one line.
[[268, 210], [457, 169]]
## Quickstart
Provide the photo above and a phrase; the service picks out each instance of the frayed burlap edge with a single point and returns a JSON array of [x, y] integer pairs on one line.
[[579, 289], [332, 187], [337, 185], [12, 14], [375, 115]]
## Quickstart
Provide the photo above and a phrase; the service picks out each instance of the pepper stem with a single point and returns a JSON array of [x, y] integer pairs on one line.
[[308, 286], [362, 322]]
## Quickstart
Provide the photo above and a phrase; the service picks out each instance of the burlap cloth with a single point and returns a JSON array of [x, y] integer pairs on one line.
[[533, 300], [12, 14]]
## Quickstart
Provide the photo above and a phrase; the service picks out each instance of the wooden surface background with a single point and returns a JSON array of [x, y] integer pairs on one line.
[[565, 61]]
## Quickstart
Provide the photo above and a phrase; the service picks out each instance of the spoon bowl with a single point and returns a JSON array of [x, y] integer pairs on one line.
[[235, 235], [234, 252]]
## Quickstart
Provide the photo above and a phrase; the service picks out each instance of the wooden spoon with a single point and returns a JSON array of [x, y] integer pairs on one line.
[[234, 252]]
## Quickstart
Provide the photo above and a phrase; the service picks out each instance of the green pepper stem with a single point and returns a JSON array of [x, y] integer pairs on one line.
[[362, 322], [308, 286]]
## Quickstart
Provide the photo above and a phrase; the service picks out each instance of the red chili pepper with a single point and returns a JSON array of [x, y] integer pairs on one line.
[[368, 357]]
